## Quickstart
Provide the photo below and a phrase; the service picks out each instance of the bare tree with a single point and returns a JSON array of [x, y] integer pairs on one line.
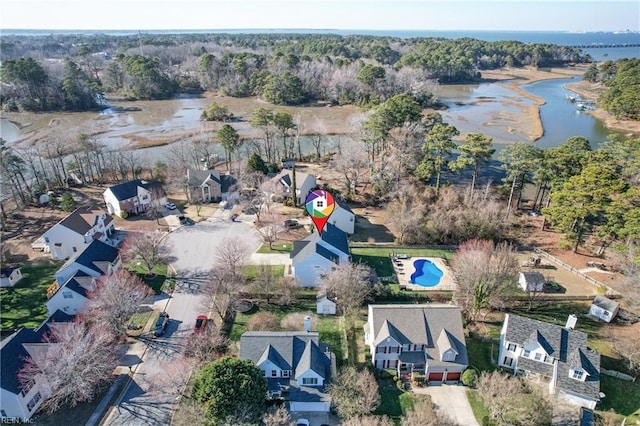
[[263, 321], [485, 273], [270, 228], [287, 290], [231, 256], [629, 349], [115, 299], [407, 209], [148, 247], [349, 284], [425, 413], [206, 345], [277, 417], [352, 163], [295, 321], [354, 392], [74, 359], [265, 282], [370, 421]]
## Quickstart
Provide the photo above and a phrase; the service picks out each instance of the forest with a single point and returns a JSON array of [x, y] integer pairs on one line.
[[74, 72]]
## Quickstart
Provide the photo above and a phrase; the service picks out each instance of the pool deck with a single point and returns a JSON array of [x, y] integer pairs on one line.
[[404, 268]]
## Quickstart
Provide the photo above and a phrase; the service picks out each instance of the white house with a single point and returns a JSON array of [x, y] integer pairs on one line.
[[552, 353], [209, 185], [95, 260], [342, 217], [71, 235], [428, 339], [297, 366], [9, 276], [317, 255], [531, 281], [325, 306], [72, 296], [281, 185], [20, 400], [604, 308], [133, 197]]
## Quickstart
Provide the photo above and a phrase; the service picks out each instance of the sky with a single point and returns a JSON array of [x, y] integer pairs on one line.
[[507, 15]]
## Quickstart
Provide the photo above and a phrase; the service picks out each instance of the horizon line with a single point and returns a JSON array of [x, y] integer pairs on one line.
[[317, 29]]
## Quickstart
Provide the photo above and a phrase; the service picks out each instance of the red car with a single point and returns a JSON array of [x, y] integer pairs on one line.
[[201, 323]]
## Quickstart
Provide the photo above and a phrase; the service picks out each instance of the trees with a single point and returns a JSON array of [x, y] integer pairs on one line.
[[485, 273], [476, 152], [262, 118], [437, 147], [278, 416], [217, 112], [115, 298], [284, 123], [231, 388], [75, 360], [230, 141], [425, 413], [354, 392], [349, 284], [519, 159], [284, 89], [67, 203], [149, 247], [622, 97]]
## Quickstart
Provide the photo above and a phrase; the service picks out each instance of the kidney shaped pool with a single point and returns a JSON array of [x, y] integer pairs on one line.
[[426, 273]]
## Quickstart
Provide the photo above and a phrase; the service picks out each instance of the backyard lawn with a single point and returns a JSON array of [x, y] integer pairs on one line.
[[276, 248], [622, 396], [156, 281], [24, 304]]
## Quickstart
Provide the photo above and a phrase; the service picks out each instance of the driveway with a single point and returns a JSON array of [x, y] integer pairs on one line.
[[452, 401]]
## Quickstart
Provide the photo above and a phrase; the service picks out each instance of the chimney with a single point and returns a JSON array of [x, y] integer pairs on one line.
[[571, 322], [307, 324]]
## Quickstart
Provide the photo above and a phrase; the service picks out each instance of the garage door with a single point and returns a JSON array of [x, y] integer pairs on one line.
[[435, 377], [453, 376]]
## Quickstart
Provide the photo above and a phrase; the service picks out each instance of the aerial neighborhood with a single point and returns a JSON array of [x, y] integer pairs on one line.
[[327, 243]]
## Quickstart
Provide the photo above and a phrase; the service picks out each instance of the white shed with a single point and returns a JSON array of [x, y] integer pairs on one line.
[[325, 306], [531, 281], [10, 276], [604, 308]]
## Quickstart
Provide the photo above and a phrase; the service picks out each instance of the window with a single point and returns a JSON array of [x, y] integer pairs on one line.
[[67, 295], [309, 380], [578, 374], [508, 361], [538, 356], [26, 388], [36, 398], [526, 353], [512, 347], [285, 373], [274, 373]]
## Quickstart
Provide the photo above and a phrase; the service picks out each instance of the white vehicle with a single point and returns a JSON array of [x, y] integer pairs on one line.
[[170, 206]]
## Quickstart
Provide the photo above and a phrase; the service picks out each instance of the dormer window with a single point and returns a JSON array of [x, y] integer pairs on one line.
[[578, 375], [449, 356]]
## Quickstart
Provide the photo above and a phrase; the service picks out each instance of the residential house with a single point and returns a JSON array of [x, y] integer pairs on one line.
[[552, 352], [133, 197], [297, 366], [20, 400], [426, 339], [72, 296], [604, 308], [209, 186], [342, 217], [325, 306], [9, 276], [317, 255], [531, 281], [69, 236], [95, 260], [281, 185]]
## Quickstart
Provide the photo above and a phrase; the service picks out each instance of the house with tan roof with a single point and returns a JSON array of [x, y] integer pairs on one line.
[[72, 234], [426, 339], [281, 186], [209, 185]]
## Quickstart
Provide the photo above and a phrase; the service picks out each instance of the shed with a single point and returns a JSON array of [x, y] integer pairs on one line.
[[10, 276], [325, 306], [531, 281], [604, 308]]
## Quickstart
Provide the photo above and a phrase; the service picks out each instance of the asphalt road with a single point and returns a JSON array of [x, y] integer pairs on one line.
[[148, 399]]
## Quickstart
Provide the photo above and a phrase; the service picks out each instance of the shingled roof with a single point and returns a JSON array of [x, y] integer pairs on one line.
[[83, 219], [97, 256], [126, 190]]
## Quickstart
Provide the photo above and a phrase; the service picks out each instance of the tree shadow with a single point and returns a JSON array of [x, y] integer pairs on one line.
[[368, 232]]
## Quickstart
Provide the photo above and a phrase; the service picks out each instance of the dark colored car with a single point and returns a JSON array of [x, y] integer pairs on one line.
[[291, 223], [161, 324], [201, 323]]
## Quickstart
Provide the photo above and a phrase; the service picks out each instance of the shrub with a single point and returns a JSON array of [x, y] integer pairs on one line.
[[263, 321], [295, 321], [124, 214], [469, 377]]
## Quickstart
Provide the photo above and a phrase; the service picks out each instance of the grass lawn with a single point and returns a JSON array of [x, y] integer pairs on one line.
[[622, 396], [393, 401], [277, 248], [331, 329], [477, 406], [156, 281], [24, 304], [378, 257], [479, 353], [250, 271]]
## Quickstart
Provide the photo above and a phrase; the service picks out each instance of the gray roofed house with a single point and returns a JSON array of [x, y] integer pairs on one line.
[[133, 197], [96, 259], [559, 354], [297, 366], [208, 185], [281, 185], [71, 296], [603, 308], [418, 338]]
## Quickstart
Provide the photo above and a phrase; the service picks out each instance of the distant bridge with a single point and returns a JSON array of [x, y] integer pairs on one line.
[[602, 45]]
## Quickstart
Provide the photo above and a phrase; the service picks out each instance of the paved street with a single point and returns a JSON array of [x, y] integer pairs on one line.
[[148, 399]]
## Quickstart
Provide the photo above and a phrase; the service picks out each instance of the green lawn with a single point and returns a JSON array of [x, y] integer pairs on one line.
[[378, 257], [156, 282], [277, 248], [24, 304], [480, 411], [622, 396], [250, 271], [393, 401], [479, 353]]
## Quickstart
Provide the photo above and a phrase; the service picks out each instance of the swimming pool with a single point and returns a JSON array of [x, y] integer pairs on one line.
[[426, 274]]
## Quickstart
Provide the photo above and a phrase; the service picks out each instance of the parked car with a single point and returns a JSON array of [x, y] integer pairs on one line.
[[291, 223], [161, 324], [170, 206], [201, 323]]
